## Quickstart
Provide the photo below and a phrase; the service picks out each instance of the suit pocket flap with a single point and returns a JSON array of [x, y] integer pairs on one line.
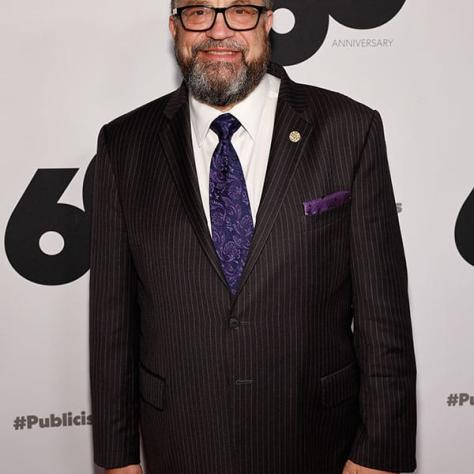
[[339, 385], [152, 387]]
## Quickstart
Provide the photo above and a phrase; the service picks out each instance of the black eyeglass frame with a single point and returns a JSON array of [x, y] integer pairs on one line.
[[177, 13]]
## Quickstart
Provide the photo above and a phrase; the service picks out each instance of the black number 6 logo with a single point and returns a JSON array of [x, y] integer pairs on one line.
[[37, 212]]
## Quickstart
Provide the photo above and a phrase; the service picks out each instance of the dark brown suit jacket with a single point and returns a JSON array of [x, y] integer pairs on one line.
[[273, 380]]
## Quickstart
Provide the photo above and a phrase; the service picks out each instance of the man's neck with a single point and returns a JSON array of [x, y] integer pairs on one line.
[[223, 108]]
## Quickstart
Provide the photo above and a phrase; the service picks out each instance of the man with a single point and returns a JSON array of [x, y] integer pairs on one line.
[[240, 225]]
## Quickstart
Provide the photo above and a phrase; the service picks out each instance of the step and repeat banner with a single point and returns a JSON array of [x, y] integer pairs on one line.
[[69, 67]]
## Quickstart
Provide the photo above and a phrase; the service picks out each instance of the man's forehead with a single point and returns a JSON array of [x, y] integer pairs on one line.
[[217, 3]]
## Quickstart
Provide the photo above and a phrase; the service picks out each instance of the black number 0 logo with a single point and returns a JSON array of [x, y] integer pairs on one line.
[[464, 230], [312, 21]]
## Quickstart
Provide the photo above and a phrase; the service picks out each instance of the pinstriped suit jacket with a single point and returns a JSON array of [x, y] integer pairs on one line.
[[274, 380]]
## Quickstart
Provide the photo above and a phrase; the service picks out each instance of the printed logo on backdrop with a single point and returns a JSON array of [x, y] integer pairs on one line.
[[460, 400], [39, 216], [64, 420], [306, 23], [464, 230]]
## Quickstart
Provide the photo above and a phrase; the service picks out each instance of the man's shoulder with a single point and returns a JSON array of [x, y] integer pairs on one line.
[[147, 115], [314, 99], [322, 102]]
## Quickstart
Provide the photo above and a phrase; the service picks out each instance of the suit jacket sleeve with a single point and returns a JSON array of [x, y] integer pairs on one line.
[[112, 323], [382, 327]]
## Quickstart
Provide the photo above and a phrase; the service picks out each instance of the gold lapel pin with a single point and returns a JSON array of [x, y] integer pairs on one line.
[[295, 136]]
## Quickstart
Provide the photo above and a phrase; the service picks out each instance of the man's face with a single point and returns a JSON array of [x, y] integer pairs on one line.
[[222, 66]]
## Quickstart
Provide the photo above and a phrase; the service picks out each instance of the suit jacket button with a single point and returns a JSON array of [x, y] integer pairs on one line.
[[234, 323], [243, 381]]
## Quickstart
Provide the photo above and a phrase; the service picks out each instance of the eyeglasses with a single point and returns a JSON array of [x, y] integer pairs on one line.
[[202, 17]]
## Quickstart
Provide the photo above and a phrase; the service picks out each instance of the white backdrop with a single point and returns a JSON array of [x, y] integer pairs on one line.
[[68, 67]]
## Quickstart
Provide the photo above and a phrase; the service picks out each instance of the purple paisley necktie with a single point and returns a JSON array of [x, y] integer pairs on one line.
[[231, 219]]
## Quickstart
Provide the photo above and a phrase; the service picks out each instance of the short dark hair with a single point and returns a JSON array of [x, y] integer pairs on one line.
[[268, 4]]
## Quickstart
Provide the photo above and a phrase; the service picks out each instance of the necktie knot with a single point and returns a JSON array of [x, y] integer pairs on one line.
[[225, 126]]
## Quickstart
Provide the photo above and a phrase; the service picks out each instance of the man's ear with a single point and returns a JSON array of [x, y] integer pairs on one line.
[[172, 26], [268, 21]]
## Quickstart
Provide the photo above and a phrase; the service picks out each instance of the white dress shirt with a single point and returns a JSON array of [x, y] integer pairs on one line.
[[251, 141]]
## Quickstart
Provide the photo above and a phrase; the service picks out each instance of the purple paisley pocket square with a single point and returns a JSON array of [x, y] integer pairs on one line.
[[325, 203]]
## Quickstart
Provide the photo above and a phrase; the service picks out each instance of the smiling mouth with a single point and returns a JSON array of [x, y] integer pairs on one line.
[[220, 52]]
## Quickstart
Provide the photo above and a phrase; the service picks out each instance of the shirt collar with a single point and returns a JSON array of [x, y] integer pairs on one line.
[[248, 112]]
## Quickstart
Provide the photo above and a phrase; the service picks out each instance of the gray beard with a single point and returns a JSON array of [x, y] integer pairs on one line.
[[206, 80]]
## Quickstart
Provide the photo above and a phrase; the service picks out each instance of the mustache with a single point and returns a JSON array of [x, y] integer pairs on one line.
[[211, 44]]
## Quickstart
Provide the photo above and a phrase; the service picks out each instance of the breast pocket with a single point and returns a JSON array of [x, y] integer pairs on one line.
[[332, 216]]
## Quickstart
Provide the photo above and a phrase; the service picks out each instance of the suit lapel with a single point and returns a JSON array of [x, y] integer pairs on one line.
[[175, 137], [284, 158]]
